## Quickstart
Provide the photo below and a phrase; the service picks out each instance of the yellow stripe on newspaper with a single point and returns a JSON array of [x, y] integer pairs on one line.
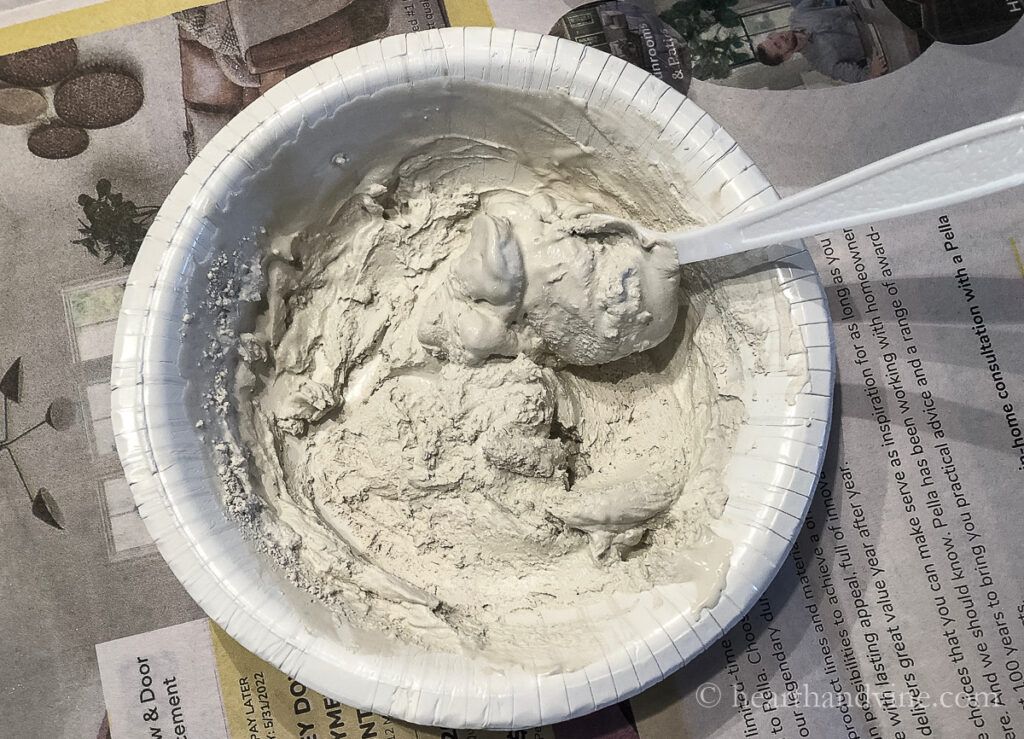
[[1016, 253], [469, 13], [79, 22], [111, 14], [261, 702]]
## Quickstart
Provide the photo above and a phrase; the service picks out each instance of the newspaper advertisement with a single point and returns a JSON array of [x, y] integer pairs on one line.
[[900, 610], [632, 33], [193, 679]]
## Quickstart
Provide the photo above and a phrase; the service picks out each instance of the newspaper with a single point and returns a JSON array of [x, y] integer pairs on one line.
[[194, 680], [633, 33], [899, 612]]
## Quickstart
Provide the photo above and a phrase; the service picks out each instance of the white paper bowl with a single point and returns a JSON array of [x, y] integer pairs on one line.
[[770, 483]]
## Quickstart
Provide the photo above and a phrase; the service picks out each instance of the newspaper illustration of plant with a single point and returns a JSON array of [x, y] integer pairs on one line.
[[60, 415], [116, 227], [712, 31]]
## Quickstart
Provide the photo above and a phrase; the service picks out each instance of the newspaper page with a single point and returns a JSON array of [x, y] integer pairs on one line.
[[193, 679], [633, 33], [899, 612]]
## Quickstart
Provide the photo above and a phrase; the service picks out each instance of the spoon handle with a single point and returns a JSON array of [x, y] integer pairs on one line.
[[961, 166]]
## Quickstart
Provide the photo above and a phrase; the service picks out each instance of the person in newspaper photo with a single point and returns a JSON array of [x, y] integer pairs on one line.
[[827, 36], [801, 44]]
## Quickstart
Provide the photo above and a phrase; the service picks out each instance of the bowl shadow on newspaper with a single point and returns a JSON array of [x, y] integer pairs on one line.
[[1001, 299]]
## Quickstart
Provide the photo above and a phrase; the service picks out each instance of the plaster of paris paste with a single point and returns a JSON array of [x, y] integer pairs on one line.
[[448, 427]]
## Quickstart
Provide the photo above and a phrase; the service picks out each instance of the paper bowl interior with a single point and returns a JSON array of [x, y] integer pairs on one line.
[[290, 132]]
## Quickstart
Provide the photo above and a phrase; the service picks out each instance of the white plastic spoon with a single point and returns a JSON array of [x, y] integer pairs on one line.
[[961, 166]]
